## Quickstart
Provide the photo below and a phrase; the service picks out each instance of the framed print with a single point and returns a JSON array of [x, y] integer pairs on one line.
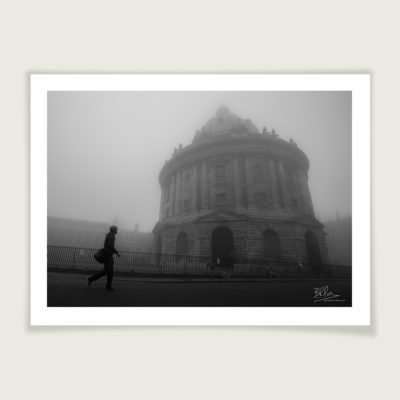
[[200, 199]]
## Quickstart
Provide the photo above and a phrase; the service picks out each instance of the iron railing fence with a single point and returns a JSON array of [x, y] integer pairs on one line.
[[82, 259]]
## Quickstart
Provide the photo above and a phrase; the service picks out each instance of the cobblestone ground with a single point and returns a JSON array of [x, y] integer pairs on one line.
[[71, 290]]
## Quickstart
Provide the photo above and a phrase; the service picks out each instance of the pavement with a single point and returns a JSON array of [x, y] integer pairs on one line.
[[71, 290]]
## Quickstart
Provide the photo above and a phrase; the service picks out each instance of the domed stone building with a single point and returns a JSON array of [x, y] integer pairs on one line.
[[238, 194]]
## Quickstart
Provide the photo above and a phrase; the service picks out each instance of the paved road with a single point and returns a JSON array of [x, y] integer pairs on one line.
[[71, 290]]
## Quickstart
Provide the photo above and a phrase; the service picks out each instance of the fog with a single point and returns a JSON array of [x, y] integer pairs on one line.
[[106, 149]]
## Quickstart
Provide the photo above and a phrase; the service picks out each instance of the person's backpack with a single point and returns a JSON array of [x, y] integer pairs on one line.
[[102, 255]]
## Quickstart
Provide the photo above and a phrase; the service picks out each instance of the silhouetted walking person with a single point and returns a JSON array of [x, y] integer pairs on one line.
[[109, 261]]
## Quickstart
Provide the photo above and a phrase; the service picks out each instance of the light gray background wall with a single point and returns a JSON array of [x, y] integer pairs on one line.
[[207, 36]]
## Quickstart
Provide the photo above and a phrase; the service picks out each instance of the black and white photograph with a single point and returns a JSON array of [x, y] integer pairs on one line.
[[199, 199]]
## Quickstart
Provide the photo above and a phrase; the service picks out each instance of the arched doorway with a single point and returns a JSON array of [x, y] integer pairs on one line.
[[313, 253], [272, 247], [222, 246]]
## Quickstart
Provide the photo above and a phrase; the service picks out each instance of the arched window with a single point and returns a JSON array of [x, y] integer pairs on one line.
[[182, 244], [312, 247], [272, 247]]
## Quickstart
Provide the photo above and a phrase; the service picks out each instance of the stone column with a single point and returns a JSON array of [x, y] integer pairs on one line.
[[236, 182], [268, 191], [199, 187], [306, 196], [204, 173], [162, 205], [249, 179], [172, 194], [243, 181], [310, 203], [273, 183], [300, 191], [284, 186], [178, 192], [193, 192]]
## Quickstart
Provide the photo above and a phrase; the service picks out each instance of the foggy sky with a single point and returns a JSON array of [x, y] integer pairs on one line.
[[106, 149]]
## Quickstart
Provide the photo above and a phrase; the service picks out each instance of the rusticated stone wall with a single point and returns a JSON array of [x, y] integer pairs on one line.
[[247, 238]]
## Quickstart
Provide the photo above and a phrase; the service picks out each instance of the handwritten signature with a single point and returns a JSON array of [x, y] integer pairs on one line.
[[324, 294]]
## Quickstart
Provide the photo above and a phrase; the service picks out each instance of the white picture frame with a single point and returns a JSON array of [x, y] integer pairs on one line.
[[357, 314]]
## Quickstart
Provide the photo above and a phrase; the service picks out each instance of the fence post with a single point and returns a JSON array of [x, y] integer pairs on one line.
[[133, 262], [73, 258]]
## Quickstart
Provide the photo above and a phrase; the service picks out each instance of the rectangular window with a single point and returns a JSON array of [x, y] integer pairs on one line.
[[221, 198], [187, 181], [258, 174], [186, 204], [261, 198], [220, 174]]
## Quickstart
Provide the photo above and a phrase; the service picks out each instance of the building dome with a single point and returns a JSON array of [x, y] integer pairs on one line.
[[240, 194], [225, 123]]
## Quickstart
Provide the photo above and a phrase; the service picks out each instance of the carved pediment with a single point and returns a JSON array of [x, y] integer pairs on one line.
[[221, 215]]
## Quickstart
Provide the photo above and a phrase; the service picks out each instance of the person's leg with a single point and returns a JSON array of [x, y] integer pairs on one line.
[[109, 267], [96, 276]]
